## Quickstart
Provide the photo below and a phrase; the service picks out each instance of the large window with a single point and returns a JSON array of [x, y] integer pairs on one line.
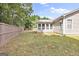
[[47, 26], [50, 26], [69, 24], [43, 26], [61, 25], [39, 26]]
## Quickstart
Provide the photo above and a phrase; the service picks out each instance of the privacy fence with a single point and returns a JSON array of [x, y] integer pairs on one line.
[[7, 32]]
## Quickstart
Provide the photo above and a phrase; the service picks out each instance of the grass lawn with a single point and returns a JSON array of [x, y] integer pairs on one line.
[[41, 45]]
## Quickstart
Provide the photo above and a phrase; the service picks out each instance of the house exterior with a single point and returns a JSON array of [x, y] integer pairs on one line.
[[44, 26], [65, 24]]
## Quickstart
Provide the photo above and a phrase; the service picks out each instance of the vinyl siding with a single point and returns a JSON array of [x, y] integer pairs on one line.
[[57, 28], [75, 25]]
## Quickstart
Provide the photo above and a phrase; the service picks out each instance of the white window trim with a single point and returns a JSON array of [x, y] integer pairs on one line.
[[69, 24]]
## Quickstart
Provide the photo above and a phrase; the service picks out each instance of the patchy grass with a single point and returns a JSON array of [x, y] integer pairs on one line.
[[41, 45]]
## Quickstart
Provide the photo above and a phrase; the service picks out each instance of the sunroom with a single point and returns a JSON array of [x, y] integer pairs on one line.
[[44, 26]]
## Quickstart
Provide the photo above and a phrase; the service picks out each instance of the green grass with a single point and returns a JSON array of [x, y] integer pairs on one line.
[[37, 44]]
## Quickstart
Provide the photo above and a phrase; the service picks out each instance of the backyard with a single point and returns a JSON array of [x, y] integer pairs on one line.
[[38, 44]]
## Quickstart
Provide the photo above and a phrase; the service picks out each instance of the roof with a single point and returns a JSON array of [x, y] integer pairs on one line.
[[73, 11], [59, 18], [44, 21], [66, 14]]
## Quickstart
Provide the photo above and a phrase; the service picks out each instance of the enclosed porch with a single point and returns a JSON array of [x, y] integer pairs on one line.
[[44, 27]]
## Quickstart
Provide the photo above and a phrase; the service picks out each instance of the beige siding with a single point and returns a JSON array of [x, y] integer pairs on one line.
[[57, 28], [75, 25]]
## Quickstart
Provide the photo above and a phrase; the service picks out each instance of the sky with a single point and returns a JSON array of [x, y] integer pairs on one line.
[[53, 10]]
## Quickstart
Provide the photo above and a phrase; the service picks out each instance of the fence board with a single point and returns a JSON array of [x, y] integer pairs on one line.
[[7, 32]]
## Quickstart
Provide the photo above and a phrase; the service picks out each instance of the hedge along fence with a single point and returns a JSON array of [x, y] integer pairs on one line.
[[7, 32]]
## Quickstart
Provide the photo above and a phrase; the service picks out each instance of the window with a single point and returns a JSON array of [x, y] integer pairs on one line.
[[43, 26], [50, 26], [47, 26], [61, 25], [39, 26], [69, 24]]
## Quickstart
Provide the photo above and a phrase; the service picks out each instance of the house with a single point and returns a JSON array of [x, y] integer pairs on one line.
[[65, 24], [44, 25]]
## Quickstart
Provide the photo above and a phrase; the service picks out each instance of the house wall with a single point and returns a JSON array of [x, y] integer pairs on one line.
[[57, 27], [75, 25]]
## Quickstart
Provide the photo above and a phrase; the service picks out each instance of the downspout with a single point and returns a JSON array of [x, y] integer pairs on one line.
[[62, 35], [63, 25]]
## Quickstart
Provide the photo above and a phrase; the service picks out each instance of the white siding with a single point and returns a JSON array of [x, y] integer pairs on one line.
[[75, 25], [57, 28]]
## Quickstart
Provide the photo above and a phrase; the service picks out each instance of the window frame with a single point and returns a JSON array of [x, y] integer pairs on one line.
[[43, 27], [51, 26], [39, 27], [69, 23]]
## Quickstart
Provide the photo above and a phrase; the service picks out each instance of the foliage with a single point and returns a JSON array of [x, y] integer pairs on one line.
[[19, 14], [34, 19], [15, 13], [46, 18]]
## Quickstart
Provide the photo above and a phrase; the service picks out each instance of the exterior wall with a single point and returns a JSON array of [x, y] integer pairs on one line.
[[7, 32], [57, 27], [75, 25], [45, 30]]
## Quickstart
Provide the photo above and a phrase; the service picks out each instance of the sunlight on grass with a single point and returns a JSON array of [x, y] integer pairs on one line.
[[39, 44], [74, 36]]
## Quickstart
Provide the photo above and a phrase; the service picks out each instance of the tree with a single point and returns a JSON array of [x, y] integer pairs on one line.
[[46, 18], [16, 14], [34, 19], [27, 9]]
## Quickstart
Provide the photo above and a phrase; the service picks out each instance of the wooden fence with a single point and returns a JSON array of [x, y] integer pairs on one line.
[[7, 32]]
